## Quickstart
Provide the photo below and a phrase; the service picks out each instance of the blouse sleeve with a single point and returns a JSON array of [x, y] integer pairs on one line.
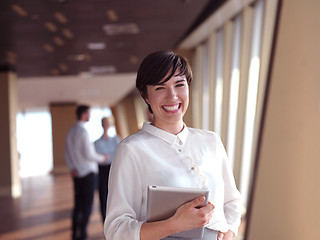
[[232, 197], [124, 198]]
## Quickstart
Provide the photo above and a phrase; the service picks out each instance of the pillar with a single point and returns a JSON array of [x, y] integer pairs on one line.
[[10, 184]]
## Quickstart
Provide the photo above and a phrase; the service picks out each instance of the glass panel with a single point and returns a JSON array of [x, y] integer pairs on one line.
[[94, 125], [205, 89], [34, 142], [253, 81], [219, 84], [234, 90]]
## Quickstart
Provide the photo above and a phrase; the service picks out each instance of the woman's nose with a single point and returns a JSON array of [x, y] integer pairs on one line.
[[172, 93]]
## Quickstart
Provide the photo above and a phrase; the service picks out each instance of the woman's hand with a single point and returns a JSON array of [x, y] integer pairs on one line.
[[225, 236], [187, 217], [190, 216]]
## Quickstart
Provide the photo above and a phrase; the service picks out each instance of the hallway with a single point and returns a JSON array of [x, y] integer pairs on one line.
[[44, 210]]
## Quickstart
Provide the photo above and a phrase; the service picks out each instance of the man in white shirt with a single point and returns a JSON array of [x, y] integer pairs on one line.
[[82, 160]]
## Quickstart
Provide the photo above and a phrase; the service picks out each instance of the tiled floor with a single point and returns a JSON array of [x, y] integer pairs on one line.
[[43, 211]]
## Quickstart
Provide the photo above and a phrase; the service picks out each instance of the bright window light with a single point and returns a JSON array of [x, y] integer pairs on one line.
[[219, 84], [34, 142]]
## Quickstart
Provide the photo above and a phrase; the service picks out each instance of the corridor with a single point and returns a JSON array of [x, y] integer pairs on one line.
[[44, 210]]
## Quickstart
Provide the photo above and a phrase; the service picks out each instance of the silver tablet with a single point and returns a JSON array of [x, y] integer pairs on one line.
[[164, 201]]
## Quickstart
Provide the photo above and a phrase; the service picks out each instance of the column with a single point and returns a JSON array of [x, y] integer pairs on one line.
[[10, 184]]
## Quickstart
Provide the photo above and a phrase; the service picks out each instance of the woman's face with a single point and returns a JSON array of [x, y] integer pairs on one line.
[[169, 101]]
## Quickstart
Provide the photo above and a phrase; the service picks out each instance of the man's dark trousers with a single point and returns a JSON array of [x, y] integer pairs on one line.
[[103, 188], [83, 199]]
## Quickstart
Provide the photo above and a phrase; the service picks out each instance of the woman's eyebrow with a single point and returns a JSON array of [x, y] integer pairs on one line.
[[181, 80], [164, 83]]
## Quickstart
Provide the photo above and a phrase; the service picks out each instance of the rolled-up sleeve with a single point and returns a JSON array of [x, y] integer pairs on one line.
[[124, 198]]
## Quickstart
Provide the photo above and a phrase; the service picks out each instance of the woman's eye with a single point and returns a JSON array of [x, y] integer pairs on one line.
[[180, 85], [159, 88]]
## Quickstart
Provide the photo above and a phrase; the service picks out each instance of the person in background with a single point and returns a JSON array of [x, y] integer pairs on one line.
[[81, 159], [105, 145], [166, 152]]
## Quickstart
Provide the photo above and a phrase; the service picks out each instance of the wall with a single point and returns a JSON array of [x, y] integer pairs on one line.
[[9, 172], [286, 195], [63, 118]]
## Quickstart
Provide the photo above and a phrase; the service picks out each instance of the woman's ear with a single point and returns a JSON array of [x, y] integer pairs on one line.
[[145, 97]]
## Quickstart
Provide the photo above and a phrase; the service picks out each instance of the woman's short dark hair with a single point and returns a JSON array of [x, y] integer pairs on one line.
[[156, 66], [81, 110]]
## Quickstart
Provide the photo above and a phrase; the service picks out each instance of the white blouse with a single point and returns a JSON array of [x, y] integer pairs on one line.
[[192, 158]]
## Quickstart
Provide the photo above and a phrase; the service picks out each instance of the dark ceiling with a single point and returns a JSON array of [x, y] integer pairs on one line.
[[71, 37]]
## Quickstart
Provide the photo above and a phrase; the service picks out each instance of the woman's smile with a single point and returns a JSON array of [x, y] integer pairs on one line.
[[169, 101], [172, 108]]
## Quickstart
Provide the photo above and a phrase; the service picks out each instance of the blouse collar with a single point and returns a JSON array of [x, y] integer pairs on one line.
[[166, 136]]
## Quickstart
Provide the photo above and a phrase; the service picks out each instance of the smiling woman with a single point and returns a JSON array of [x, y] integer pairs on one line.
[[169, 102], [166, 152]]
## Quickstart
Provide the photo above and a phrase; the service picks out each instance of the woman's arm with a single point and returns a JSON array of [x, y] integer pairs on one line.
[[187, 217]]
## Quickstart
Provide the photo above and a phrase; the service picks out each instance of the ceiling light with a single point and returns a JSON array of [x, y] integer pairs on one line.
[[112, 15], [58, 41], [102, 69], [85, 74], [48, 47], [67, 33], [11, 57], [50, 26], [133, 59], [121, 29], [54, 71], [19, 10], [63, 67], [79, 57], [96, 46], [60, 17]]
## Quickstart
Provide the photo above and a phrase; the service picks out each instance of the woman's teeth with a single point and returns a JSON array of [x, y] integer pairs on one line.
[[171, 108]]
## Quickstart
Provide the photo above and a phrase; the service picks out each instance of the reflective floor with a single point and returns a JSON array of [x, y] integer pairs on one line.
[[44, 210]]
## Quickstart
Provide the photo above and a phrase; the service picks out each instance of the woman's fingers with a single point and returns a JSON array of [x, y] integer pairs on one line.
[[220, 236]]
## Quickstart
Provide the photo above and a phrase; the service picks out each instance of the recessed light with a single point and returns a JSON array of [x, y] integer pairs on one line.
[[63, 67], [60, 17], [67, 33], [112, 15], [50, 26], [102, 69], [96, 46], [48, 47], [58, 41], [54, 71], [19, 10], [11, 57], [121, 29], [79, 57], [133, 59]]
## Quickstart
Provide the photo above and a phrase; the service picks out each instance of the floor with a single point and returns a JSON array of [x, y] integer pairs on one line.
[[43, 211]]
